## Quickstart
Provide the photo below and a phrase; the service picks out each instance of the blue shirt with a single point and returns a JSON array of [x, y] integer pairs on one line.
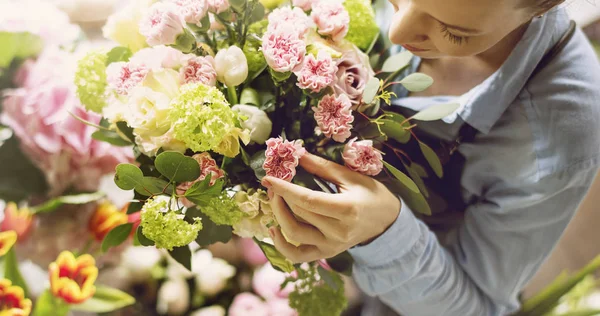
[[533, 160]]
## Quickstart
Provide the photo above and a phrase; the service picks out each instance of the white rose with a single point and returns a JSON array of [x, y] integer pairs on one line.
[[123, 26], [231, 66], [173, 297], [258, 122], [214, 310], [139, 261]]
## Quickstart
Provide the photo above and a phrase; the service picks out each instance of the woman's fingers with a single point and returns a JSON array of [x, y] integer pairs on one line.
[[294, 230], [323, 223], [328, 170], [302, 253]]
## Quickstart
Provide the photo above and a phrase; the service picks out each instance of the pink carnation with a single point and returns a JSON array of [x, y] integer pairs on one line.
[[283, 49], [122, 76], [199, 70], [360, 156], [280, 307], [317, 73], [296, 18], [217, 6], [192, 11], [334, 117], [331, 19], [303, 4], [208, 166], [162, 24], [245, 304], [159, 57], [282, 158]]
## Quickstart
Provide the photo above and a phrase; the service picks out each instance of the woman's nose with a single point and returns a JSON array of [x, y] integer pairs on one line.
[[409, 26]]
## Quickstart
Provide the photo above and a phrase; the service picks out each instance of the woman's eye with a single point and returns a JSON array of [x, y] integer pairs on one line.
[[455, 39]]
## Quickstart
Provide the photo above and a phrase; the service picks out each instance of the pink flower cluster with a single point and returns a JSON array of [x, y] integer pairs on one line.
[[334, 117], [304, 4], [124, 76], [162, 24], [208, 166], [317, 73], [282, 158], [192, 11], [283, 49], [331, 18], [294, 18], [199, 70], [60, 145], [217, 6], [360, 156]]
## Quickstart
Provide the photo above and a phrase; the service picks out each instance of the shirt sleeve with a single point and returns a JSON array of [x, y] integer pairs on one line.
[[504, 239]]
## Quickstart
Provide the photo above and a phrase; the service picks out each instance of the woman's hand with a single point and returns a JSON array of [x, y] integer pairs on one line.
[[361, 211]]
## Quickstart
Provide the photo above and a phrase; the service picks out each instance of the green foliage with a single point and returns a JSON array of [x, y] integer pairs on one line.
[[105, 299], [19, 45], [277, 260], [436, 112], [371, 89], [433, 159], [177, 167], [55, 203], [12, 272], [128, 176], [211, 233], [256, 163], [141, 239], [48, 305], [394, 130], [118, 54], [404, 179], [313, 298], [183, 255], [416, 82], [111, 137], [397, 62], [201, 193], [116, 236]]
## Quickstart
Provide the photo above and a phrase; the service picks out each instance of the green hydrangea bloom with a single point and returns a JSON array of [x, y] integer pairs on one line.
[[256, 59], [223, 210], [90, 80], [167, 228], [201, 117], [314, 298], [363, 28]]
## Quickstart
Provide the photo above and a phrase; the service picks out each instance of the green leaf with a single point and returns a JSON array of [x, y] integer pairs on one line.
[[177, 167], [212, 233], [118, 54], [395, 130], [256, 163], [126, 131], [143, 240], [110, 137], [202, 192], [258, 12], [238, 5], [116, 236], [182, 255], [12, 272], [397, 62], [414, 175], [106, 299], [415, 201], [417, 82], [134, 207], [404, 179], [150, 186], [277, 260], [48, 305], [436, 112], [328, 278], [371, 90], [20, 178], [432, 159], [18, 45], [128, 176], [55, 203]]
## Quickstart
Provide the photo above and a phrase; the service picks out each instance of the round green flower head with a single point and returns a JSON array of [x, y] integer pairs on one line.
[[201, 117], [167, 228], [256, 59], [223, 210], [90, 80], [363, 28]]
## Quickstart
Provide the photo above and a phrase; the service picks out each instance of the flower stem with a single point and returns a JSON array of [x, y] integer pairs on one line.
[[233, 97]]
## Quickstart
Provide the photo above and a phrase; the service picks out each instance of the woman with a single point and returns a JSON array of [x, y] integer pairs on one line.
[[533, 108]]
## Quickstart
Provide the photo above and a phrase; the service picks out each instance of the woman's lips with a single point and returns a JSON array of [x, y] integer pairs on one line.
[[414, 49]]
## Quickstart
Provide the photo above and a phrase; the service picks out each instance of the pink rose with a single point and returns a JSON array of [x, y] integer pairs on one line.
[[303, 4], [296, 18], [245, 304], [283, 49], [331, 19], [207, 166], [354, 71], [280, 307], [162, 24], [122, 76], [334, 117], [192, 11], [316, 73], [282, 158], [159, 57], [267, 283], [199, 70], [217, 6], [360, 156]]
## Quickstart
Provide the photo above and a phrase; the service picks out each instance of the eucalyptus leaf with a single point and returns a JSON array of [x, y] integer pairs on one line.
[[415, 201], [118, 54], [12, 272], [238, 5], [212, 233], [432, 159], [150, 186], [183, 255], [258, 12], [116, 236], [397, 62], [110, 137], [177, 167], [55, 203], [256, 163], [436, 112], [416, 82], [142, 239], [49, 305], [404, 179], [128, 176], [414, 175], [105, 299], [277, 260], [202, 192], [395, 130], [371, 90]]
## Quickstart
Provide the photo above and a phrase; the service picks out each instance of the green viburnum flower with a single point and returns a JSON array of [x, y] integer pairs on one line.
[[223, 210], [166, 227], [363, 27], [90, 80], [256, 59], [313, 298], [201, 117]]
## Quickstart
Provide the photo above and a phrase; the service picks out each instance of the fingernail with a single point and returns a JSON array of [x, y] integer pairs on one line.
[[272, 232], [266, 184], [270, 194]]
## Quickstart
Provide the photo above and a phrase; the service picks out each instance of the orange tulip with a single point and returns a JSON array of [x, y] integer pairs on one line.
[[19, 220], [12, 300], [105, 218], [72, 279], [7, 240]]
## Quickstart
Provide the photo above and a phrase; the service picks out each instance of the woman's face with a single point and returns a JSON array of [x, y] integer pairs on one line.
[[458, 28]]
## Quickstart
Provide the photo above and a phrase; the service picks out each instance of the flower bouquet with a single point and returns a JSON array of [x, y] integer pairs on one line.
[[213, 95]]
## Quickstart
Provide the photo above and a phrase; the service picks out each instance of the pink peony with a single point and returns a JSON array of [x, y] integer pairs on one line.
[[280, 307], [316, 73], [122, 76], [207, 166], [162, 24], [334, 117], [296, 18], [282, 158], [303, 4], [192, 11], [217, 6], [283, 49], [360, 156], [159, 57], [245, 304], [199, 70], [60, 145], [354, 71], [331, 19], [267, 283]]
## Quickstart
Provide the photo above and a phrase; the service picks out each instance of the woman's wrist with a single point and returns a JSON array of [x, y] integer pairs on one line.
[[393, 217]]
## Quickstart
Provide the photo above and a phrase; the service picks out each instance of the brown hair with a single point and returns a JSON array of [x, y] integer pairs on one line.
[[542, 6]]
